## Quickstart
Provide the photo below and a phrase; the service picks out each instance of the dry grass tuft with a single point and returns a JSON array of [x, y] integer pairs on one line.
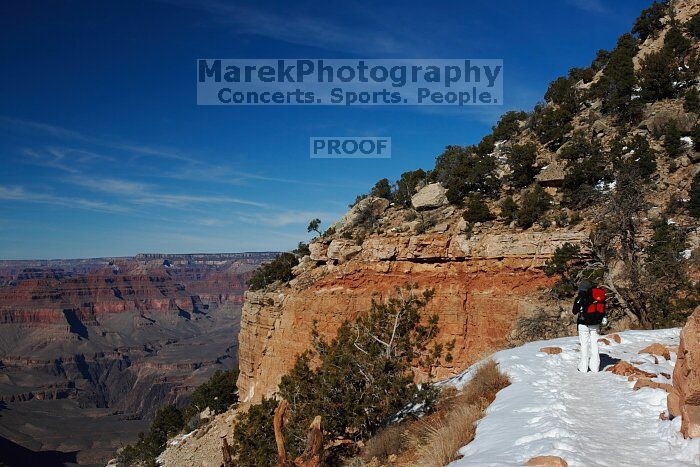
[[434, 440], [457, 428]]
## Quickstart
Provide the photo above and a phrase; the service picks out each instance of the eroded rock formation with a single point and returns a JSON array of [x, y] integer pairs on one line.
[[482, 284]]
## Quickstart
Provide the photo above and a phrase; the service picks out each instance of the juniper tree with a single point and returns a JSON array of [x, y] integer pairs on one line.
[[521, 159], [694, 202], [672, 139], [382, 189], [477, 210], [462, 172], [279, 269], [618, 81], [693, 26], [365, 373], [533, 205], [314, 225], [406, 186], [691, 101], [649, 21], [657, 76], [509, 209]]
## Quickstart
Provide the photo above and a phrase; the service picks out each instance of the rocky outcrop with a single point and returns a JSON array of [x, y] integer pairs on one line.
[[431, 196], [482, 284], [684, 400]]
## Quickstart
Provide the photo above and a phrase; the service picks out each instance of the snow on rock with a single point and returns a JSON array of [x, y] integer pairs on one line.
[[587, 419]]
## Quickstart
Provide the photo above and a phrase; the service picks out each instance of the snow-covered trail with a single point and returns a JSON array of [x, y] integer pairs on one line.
[[588, 419]]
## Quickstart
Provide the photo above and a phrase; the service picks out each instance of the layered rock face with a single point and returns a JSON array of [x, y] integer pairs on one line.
[[685, 399], [48, 300], [90, 347], [482, 284]]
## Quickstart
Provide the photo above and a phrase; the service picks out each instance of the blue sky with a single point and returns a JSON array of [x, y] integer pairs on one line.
[[104, 151]]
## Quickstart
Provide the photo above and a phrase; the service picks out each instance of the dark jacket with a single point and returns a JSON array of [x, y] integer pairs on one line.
[[583, 299]]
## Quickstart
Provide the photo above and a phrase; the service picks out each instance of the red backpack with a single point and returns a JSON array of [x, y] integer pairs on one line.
[[598, 304]]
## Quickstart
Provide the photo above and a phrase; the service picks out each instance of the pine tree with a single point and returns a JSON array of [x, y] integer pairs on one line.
[[509, 209], [693, 26], [691, 103], [477, 210], [675, 42], [657, 75], [521, 159], [508, 125], [694, 202], [382, 189], [672, 140], [534, 204], [406, 186], [649, 21], [618, 81]]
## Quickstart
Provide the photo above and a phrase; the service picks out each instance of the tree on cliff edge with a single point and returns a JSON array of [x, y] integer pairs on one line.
[[364, 378]]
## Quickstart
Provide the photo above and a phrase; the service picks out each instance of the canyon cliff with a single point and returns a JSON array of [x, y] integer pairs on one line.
[[482, 284], [90, 349]]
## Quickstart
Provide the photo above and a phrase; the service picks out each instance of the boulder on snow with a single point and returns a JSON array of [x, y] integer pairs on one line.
[[603, 341], [615, 338], [624, 368], [547, 461], [551, 350], [430, 197], [657, 349], [647, 383], [686, 378]]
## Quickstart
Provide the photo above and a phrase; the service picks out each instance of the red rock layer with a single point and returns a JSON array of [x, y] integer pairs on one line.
[[477, 302]]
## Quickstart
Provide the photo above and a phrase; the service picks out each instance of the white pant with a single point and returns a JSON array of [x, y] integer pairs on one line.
[[588, 336]]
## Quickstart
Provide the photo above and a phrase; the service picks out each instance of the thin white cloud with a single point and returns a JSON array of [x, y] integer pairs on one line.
[[306, 29], [64, 159], [20, 194], [193, 169], [595, 6], [67, 134], [287, 217], [145, 194]]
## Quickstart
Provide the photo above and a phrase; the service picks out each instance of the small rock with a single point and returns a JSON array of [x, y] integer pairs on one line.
[[657, 349], [604, 341], [551, 350], [647, 383], [441, 228], [624, 368], [663, 416], [547, 461], [615, 337]]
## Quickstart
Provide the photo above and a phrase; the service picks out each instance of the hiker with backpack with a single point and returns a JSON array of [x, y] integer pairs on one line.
[[589, 305]]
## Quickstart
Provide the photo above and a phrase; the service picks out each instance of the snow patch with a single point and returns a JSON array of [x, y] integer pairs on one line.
[[585, 418]]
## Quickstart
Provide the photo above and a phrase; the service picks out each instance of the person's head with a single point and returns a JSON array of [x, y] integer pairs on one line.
[[584, 287]]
